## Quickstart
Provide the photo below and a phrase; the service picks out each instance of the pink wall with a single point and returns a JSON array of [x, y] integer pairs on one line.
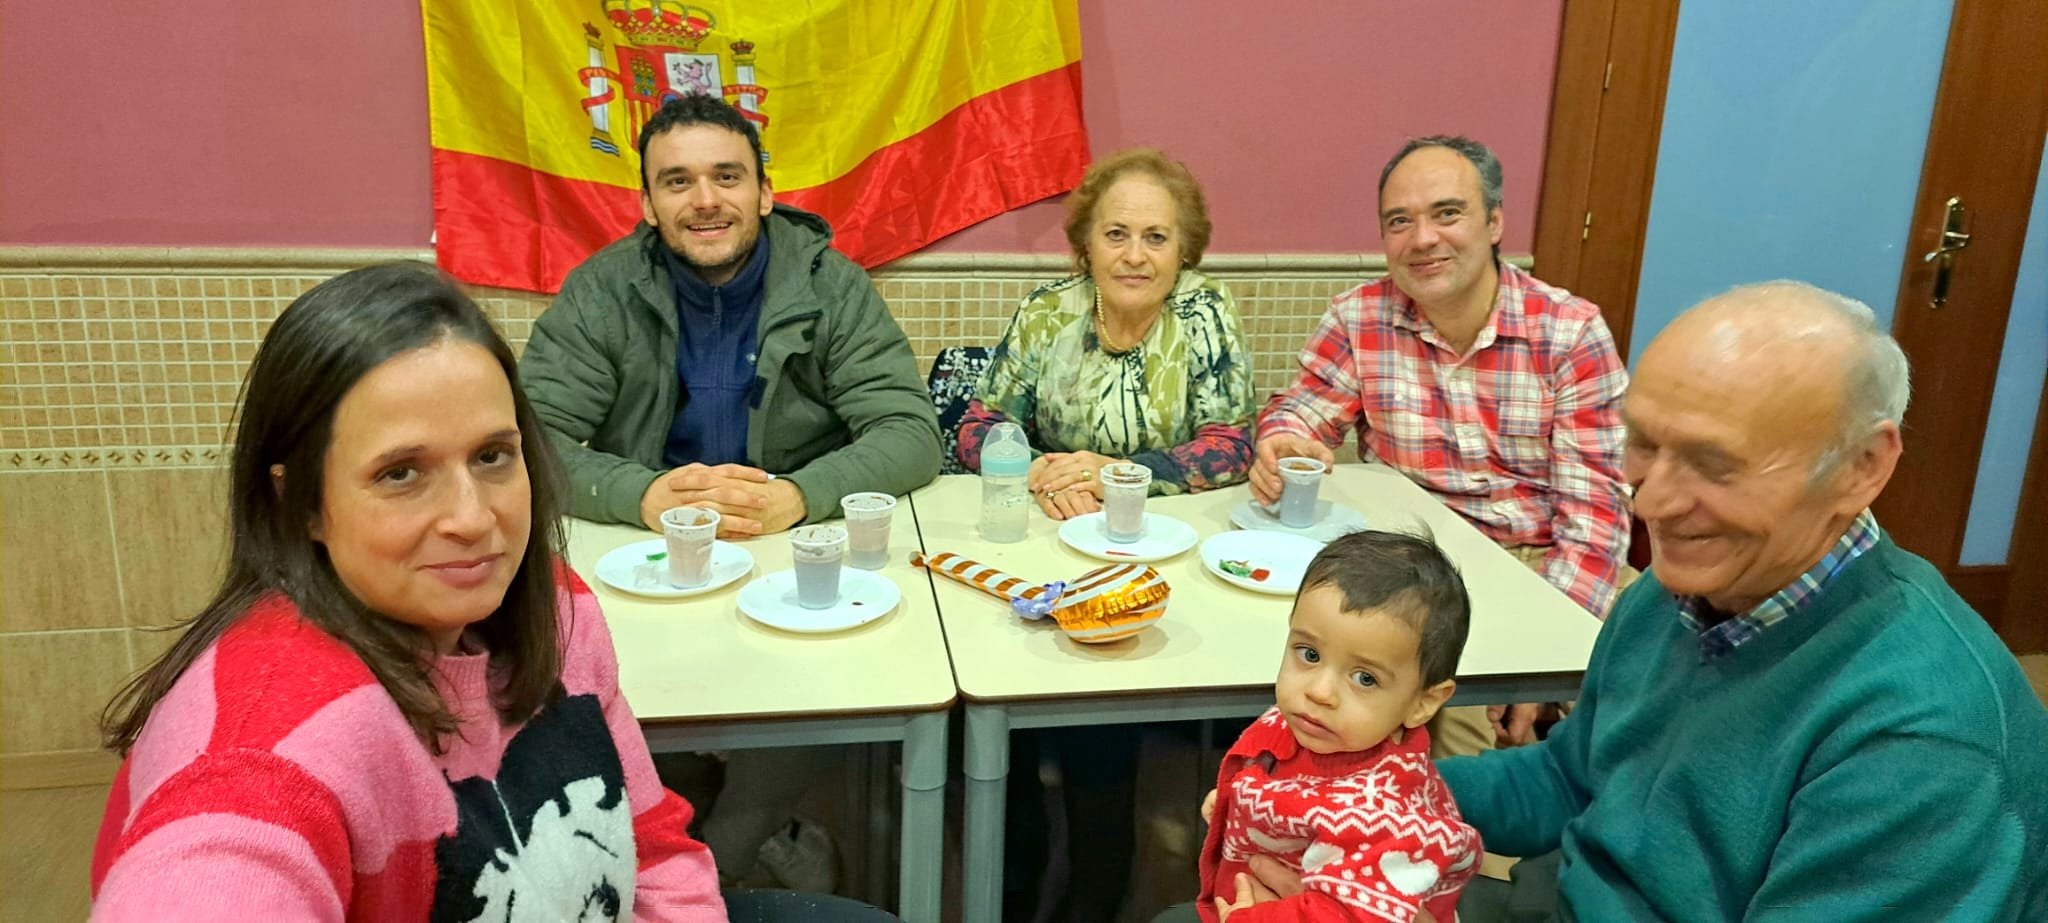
[[225, 123], [214, 123], [1286, 111]]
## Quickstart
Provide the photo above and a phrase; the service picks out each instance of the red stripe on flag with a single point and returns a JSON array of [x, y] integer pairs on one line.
[[997, 151], [507, 225], [503, 224]]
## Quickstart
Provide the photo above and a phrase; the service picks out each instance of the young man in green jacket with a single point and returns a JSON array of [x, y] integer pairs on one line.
[[1789, 717], [723, 354]]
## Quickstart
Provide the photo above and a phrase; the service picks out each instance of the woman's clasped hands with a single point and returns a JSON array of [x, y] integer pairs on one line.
[[1068, 484]]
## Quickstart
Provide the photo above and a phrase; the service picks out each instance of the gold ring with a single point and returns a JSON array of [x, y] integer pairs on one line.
[[1087, 474]]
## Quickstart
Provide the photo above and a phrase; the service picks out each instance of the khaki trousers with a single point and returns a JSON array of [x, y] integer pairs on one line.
[[1464, 730]]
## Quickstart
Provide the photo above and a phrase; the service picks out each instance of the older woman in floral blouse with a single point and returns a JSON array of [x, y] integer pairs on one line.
[[1140, 357]]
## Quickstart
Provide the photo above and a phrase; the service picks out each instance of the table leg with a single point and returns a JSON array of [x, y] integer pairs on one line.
[[924, 818], [987, 758], [877, 763]]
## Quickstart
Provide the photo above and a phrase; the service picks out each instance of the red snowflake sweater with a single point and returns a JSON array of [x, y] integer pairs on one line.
[[278, 781], [1374, 834]]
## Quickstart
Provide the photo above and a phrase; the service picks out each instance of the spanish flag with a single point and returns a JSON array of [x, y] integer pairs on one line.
[[900, 121]]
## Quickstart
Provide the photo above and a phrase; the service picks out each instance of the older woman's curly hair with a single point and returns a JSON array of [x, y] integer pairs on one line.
[[1174, 175]]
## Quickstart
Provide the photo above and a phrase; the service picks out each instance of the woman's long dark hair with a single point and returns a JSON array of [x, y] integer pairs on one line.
[[321, 345]]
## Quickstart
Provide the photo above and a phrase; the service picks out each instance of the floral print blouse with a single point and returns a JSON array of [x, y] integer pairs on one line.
[[1180, 402]]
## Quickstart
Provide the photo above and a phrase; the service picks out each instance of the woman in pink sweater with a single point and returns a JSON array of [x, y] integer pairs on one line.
[[399, 705]]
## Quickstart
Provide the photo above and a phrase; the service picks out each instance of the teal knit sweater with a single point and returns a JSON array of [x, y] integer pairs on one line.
[[1876, 756]]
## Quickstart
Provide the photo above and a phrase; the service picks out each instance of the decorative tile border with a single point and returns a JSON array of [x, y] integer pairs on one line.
[[93, 459]]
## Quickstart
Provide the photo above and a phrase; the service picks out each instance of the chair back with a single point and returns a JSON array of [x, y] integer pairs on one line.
[[955, 373]]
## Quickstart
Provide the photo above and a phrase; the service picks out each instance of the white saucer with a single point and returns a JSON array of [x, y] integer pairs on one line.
[[729, 562], [1284, 557], [864, 596], [1164, 537], [1331, 522]]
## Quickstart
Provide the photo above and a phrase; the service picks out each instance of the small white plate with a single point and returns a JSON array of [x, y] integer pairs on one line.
[[864, 596], [1164, 537], [1284, 557], [1331, 522], [729, 562]]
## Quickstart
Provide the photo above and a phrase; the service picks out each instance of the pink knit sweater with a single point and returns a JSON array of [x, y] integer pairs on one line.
[[278, 781]]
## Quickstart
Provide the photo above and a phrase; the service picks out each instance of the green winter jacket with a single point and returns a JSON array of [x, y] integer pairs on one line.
[[841, 406]]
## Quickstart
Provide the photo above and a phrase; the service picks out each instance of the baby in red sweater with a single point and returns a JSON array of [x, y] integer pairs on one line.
[[1335, 780]]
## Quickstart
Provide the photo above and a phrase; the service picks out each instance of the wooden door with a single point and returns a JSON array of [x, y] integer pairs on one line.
[[1606, 112], [1983, 150], [2024, 624]]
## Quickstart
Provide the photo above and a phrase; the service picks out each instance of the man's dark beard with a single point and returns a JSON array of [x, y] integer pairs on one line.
[[733, 266]]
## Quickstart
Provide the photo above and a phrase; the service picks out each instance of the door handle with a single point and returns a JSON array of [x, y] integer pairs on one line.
[[1943, 256]]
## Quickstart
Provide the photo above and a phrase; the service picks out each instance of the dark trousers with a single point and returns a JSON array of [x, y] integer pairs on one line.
[[1528, 896], [768, 906], [1098, 771]]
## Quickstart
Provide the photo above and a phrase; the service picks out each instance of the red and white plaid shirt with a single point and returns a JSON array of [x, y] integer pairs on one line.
[[1522, 435]]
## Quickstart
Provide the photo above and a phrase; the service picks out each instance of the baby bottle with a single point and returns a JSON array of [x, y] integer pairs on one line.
[[1005, 496]]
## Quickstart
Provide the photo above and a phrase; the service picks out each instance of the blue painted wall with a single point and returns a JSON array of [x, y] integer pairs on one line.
[[2020, 373], [1792, 145], [1793, 137]]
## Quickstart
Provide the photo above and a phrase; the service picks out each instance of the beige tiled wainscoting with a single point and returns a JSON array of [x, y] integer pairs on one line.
[[119, 374]]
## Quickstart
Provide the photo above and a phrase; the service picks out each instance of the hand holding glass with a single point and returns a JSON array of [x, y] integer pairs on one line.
[[1301, 480]]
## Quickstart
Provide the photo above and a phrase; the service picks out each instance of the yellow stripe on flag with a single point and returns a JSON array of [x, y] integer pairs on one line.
[[847, 78], [898, 122]]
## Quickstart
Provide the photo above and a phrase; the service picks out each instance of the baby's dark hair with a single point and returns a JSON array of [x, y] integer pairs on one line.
[[1407, 577]]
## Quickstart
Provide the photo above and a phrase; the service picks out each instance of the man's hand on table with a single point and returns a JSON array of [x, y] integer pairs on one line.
[[785, 506], [1266, 456], [748, 500]]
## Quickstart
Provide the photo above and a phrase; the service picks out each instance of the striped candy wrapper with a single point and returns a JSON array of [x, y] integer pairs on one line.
[[1108, 603]]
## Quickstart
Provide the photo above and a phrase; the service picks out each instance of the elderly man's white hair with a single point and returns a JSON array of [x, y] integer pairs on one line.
[[1878, 384]]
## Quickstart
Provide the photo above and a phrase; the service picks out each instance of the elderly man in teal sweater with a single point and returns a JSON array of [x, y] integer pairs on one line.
[[1789, 717]]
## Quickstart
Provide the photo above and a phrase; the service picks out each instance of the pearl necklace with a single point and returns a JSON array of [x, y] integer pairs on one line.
[[1102, 330]]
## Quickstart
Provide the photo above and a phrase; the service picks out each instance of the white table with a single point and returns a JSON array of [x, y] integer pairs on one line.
[[701, 676], [1216, 652]]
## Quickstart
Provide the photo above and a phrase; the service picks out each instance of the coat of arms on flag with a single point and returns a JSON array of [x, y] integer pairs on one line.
[[899, 122], [661, 54]]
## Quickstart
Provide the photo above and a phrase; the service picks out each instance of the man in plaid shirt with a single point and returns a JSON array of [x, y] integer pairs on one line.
[[1497, 393]]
